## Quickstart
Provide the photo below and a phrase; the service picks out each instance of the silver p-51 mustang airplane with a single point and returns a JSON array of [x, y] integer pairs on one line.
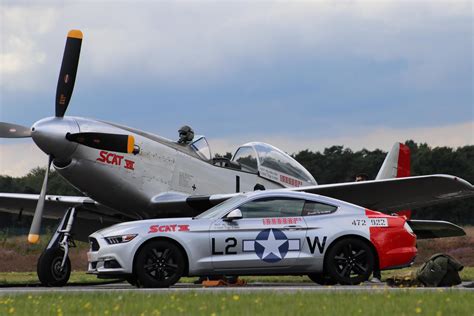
[[129, 174]]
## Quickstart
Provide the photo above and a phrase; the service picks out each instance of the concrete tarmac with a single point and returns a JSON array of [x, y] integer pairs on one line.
[[186, 287]]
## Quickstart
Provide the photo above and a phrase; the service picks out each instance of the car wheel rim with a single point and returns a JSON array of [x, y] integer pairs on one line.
[[161, 264], [351, 261]]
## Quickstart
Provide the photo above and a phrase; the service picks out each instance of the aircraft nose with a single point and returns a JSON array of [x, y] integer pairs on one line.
[[50, 136]]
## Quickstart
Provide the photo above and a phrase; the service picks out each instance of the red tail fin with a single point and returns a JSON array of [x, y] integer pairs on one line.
[[403, 170]]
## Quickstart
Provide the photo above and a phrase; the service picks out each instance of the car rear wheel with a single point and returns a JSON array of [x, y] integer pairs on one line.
[[350, 261], [322, 279], [159, 263]]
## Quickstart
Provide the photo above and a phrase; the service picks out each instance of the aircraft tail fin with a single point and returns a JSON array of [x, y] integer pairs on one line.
[[396, 165]]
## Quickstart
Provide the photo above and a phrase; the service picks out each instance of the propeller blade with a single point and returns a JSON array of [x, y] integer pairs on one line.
[[8, 130], [33, 236], [67, 74], [104, 141]]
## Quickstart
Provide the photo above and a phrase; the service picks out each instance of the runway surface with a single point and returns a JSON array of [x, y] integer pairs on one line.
[[186, 287]]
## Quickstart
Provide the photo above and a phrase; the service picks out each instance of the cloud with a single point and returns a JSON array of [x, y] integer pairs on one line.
[[182, 41], [456, 135], [24, 54], [17, 159]]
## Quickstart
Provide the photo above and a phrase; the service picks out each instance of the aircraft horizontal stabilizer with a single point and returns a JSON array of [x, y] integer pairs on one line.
[[435, 229], [391, 195]]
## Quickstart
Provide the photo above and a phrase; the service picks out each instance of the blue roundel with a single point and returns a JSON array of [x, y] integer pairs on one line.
[[271, 245]]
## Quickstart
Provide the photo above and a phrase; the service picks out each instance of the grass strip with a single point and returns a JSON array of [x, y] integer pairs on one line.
[[440, 302]]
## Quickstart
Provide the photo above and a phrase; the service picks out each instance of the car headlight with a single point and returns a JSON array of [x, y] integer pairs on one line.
[[120, 239]]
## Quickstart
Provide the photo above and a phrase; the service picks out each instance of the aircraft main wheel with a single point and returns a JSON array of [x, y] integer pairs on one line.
[[321, 279], [350, 261], [49, 268], [159, 264]]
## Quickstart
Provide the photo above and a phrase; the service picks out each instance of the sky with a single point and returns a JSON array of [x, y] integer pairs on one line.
[[299, 75]]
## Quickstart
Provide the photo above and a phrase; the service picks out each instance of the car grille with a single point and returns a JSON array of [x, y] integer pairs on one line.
[[94, 244]]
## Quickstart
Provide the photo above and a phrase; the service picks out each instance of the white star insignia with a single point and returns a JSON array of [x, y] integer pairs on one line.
[[271, 245]]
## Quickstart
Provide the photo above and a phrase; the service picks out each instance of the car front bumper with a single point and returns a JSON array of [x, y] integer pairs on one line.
[[109, 259]]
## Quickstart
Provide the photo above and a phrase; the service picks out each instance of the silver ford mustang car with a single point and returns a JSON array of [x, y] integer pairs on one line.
[[257, 233]]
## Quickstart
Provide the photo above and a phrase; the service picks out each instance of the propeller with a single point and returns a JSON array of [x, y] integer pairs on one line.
[[67, 74], [104, 141], [33, 236], [66, 80], [8, 130]]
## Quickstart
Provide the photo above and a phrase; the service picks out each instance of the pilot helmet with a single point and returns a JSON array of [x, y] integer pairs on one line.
[[186, 134]]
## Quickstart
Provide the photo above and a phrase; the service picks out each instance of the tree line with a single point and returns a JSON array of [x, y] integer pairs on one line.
[[332, 165]]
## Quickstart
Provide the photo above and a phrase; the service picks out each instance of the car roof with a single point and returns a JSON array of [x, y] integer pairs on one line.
[[293, 194]]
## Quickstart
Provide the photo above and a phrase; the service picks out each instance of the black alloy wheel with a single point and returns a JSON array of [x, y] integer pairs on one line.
[[49, 268], [322, 278], [159, 263], [350, 261]]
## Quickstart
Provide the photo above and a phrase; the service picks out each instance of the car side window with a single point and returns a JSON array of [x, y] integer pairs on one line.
[[272, 207], [317, 208]]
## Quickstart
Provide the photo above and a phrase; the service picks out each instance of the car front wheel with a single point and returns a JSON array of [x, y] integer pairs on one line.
[[350, 261], [159, 263]]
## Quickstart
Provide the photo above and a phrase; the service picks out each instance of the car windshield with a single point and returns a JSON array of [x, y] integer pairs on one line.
[[226, 205]]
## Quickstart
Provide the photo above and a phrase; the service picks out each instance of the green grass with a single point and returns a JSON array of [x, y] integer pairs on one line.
[[442, 302], [467, 274]]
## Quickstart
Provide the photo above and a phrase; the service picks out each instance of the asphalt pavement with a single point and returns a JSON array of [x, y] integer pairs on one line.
[[186, 287]]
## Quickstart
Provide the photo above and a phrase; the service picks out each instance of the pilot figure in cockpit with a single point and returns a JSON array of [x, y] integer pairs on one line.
[[186, 135]]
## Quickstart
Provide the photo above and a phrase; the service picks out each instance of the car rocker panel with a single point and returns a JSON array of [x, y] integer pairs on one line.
[[270, 233]]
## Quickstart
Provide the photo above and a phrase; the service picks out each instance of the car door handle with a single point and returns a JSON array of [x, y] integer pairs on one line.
[[292, 227]]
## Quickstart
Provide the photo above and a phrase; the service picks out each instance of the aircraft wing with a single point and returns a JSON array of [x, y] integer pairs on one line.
[[91, 217], [387, 195], [397, 194], [55, 206]]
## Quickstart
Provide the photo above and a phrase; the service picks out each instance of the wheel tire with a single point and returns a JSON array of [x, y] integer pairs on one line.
[[159, 263], [132, 281], [322, 279], [350, 261], [49, 268]]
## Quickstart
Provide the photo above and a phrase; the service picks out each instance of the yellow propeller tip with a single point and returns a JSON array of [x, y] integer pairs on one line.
[[75, 34], [33, 238]]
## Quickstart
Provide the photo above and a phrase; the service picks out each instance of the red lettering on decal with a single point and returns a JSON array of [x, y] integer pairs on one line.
[[168, 228], [109, 158], [183, 228], [153, 229], [102, 155], [129, 164]]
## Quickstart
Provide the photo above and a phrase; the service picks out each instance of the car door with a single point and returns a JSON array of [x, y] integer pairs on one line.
[[321, 225], [269, 235]]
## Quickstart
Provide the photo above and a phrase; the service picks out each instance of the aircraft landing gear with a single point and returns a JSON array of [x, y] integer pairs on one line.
[[54, 266]]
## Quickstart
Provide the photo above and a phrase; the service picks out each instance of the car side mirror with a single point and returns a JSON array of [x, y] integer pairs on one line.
[[235, 214]]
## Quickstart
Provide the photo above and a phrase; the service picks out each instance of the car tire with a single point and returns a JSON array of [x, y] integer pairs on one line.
[[350, 261], [159, 264], [321, 278], [49, 270]]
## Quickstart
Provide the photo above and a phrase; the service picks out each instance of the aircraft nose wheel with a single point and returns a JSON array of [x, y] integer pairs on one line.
[[49, 268]]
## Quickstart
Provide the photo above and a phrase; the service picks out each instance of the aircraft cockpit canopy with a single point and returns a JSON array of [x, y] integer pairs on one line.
[[201, 148], [273, 164]]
